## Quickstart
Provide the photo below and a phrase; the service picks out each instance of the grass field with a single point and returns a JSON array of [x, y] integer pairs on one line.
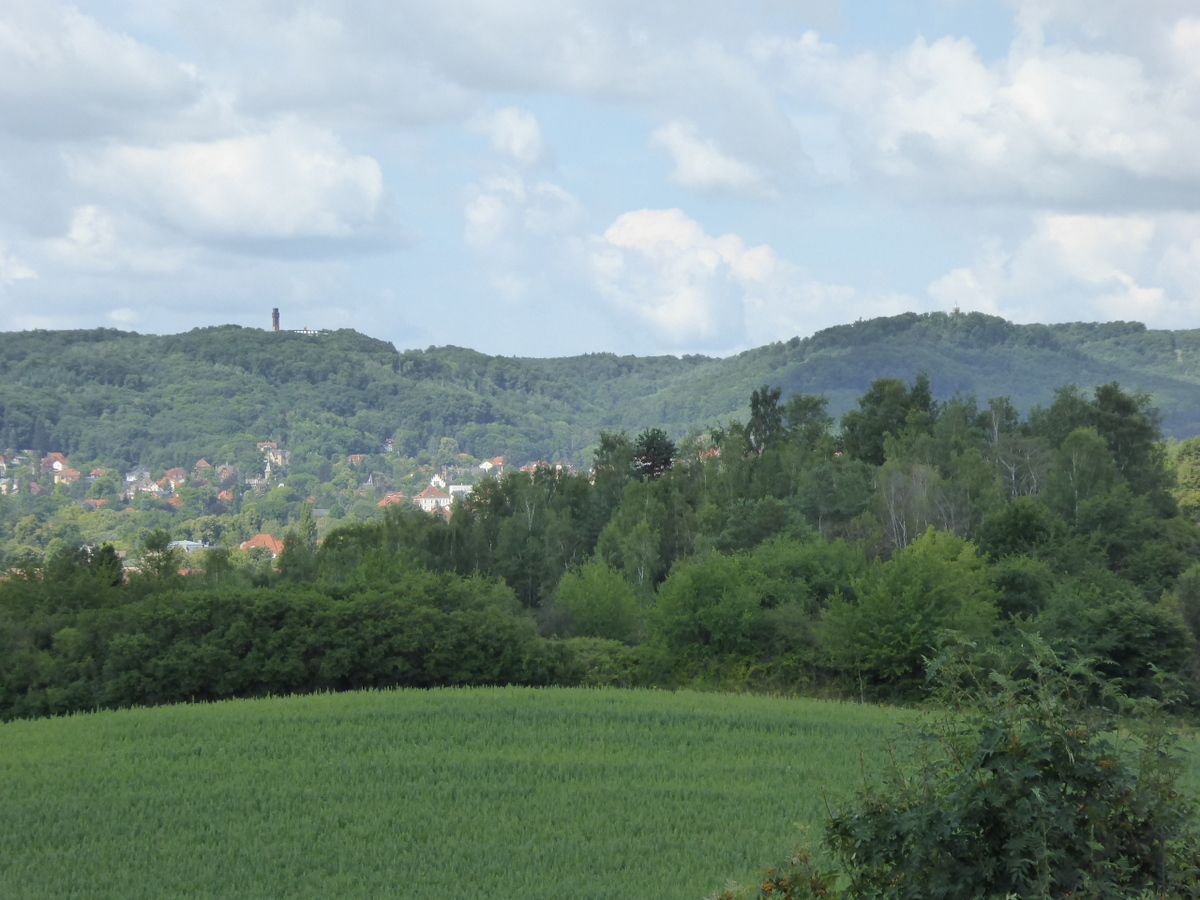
[[504, 793]]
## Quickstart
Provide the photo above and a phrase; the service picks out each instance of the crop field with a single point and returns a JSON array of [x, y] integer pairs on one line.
[[506, 793]]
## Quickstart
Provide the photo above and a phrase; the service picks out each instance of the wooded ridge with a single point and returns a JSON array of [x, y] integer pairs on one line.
[[213, 392]]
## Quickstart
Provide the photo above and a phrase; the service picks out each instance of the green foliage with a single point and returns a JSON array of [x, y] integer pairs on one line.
[[1134, 642], [1026, 788], [883, 635], [707, 605], [765, 426], [421, 629], [653, 453], [1030, 794], [600, 601], [886, 410]]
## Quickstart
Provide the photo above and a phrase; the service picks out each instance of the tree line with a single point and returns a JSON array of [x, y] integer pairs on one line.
[[779, 553]]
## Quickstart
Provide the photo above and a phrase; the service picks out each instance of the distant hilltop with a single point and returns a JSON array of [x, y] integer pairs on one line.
[[275, 325], [154, 400]]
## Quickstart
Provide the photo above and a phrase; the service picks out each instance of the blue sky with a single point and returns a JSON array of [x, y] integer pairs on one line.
[[544, 178]]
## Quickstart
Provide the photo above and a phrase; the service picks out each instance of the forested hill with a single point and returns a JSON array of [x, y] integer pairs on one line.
[[215, 392]]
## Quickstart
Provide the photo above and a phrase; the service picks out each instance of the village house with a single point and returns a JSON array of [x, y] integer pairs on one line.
[[432, 499], [138, 474], [266, 541], [202, 465], [390, 498], [54, 462], [226, 470], [496, 462], [66, 476]]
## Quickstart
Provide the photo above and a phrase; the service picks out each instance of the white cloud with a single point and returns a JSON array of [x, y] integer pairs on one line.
[[124, 316], [524, 231], [1085, 268], [1049, 123], [506, 207], [700, 164], [94, 241], [515, 134], [13, 270], [288, 182], [65, 75], [694, 291]]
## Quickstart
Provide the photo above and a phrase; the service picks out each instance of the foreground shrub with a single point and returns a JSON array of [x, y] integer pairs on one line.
[[1027, 791]]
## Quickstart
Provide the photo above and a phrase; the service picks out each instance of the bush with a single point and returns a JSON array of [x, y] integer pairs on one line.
[[1025, 791], [882, 639]]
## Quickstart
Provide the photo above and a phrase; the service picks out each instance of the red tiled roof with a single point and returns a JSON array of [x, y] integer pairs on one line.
[[263, 540], [431, 491]]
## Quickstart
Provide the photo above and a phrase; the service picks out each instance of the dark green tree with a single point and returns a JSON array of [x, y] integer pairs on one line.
[[653, 453]]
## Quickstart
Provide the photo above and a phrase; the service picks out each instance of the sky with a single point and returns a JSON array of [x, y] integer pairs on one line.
[[553, 177]]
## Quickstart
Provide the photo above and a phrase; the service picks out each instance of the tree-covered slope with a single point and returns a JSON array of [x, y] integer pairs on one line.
[[214, 392]]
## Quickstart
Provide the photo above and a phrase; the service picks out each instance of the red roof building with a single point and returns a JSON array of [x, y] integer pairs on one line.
[[55, 461], [263, 540], [431, 498]]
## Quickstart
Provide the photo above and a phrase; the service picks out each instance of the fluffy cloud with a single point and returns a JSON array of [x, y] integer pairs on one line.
[[515, 134], [700, 164], [524, 231], [1085, 268], [12, 270], [94, 242], [420, 61], [290, 182], [66, 76], [1047, 124], [698, 292]]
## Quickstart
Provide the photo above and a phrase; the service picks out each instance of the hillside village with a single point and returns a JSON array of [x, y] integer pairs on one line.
[[232, 505]]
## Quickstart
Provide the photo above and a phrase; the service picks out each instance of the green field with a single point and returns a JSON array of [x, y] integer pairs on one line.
[[506, 793]]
